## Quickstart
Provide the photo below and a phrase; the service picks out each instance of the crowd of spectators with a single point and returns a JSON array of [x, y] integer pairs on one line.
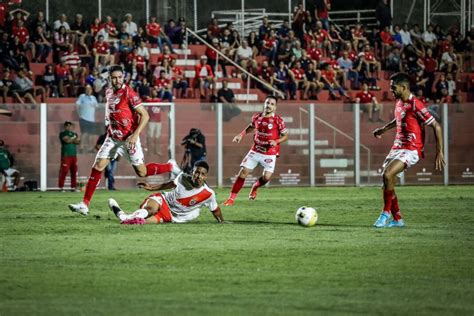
[[306, 54]]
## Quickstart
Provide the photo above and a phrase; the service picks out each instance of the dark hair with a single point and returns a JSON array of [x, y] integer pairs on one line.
[[67, 123], [271, 96], [202, 163], [401, 78], [115, 68]]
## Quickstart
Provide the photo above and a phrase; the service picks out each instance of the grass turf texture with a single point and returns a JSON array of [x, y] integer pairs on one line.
[[56, 262]]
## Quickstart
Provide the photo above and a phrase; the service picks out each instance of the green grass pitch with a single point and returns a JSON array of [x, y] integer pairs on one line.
[[53, 262]]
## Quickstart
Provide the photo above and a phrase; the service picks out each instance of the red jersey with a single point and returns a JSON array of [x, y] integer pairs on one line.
[[315, 53], [321, 35], [386, 37], [162, 83], [61, 72], [353, 56], [121, 114], [330, 75], [72, 59], [411, 117], [155, 113], [176, 72], [3, 13], [430, 64], [266, 73], [101, 48], [112, 28], [365, 97], [153, 29], [21, 33], [369, 56], [267, 129], [95, 28], [299, 73]]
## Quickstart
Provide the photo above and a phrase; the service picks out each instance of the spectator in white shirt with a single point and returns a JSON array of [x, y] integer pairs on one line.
[[406, 36], [62, 21], [245, 56], [429, 38], [131, 27]]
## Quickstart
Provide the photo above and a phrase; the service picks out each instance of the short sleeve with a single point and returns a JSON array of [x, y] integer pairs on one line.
[[134, 99], [422, 113], [254, 119], [212, 203], [282, 126]]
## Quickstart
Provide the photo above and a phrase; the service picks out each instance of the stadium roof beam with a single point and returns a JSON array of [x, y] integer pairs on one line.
[[435, 9]]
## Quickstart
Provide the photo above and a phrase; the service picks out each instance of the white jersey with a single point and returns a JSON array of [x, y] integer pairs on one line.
[[185, 201]]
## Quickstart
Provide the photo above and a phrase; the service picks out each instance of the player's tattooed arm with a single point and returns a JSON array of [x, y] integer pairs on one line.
[[247, 130], [156, 187], [379, 131]]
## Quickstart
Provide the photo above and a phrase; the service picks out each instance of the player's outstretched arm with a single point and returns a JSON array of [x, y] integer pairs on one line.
[[218, 215], [156, 187], [379, 131], [238, 138], [438, 131]]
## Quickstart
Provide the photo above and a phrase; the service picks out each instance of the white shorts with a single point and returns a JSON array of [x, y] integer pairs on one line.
[[254, 158], [111, 148], [10, 172], [408, 157], [154, 129]]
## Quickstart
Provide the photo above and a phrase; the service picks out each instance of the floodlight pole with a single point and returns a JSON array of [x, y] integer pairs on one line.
[[195, 17]]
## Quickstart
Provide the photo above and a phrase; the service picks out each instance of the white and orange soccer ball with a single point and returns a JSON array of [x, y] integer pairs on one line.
[[306, 216]]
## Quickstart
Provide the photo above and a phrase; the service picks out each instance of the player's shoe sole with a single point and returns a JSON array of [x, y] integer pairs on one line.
[[393, 223], [80, 208], [229, 202], [114, 207], [382, 221]]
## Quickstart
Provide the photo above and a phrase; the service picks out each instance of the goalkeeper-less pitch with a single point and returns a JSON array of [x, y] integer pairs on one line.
[[53, 262]]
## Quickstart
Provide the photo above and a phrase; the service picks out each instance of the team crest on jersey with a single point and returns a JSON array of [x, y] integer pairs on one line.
[[125, 122], [270, 126]]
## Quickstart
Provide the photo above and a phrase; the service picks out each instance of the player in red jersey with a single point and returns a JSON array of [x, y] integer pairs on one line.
[[180, 205], [411, 117], [270, 132], [125, 118]]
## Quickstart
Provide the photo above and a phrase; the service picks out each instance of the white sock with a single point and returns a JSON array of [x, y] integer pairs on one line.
[[122, 216], [141, 213]]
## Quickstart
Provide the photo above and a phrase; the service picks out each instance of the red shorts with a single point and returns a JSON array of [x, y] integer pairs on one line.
[[164, 213]]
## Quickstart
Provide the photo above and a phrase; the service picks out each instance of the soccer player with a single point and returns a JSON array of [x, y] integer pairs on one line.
[[182, 204], [411, 117], [270, 132], [126, 117]]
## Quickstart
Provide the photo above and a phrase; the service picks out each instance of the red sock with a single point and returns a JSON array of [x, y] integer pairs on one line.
[[387, 200], [395, 209], [260, 181], [238, 184], [157, 168], [92, 184]]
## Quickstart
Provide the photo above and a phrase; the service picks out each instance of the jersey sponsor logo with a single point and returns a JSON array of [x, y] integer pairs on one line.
[[270, 126], [194, 199]]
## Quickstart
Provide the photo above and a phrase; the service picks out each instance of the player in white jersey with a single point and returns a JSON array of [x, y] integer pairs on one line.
[[180, 205]]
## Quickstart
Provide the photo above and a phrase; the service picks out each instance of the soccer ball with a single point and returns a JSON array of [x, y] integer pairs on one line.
[[306, 216]]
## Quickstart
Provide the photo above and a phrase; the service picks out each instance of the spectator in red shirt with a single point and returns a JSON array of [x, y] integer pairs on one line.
[[321, 9], [21, 33], [63, 77], [205, 78], [156, 34], [300, 18], [179, 81], [213, 30], [298, 77], [212, 58], [328, 77], [101, 48], [369, 103], [164, 87]]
